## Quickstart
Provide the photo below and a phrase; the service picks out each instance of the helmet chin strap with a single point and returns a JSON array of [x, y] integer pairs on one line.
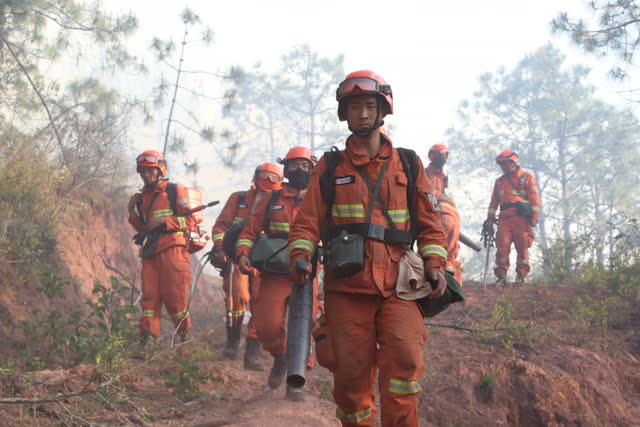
[[368, 131]]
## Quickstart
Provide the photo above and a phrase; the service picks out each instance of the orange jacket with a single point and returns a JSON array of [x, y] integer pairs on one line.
[[233, 212], [352, 198], [284, 210], [504, 192], [174, 225]]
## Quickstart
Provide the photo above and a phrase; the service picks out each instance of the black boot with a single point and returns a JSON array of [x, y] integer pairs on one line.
[[233, 341], [142, 346], [295, 394], [251, 361], [278, 371]]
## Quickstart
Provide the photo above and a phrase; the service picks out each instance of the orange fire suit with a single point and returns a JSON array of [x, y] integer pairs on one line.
[[368, 327], [511, 227], [166, 275], [449, 218], [271, 306], [245, 287]]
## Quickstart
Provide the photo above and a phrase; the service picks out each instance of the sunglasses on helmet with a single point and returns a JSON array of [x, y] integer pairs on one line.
[[364, 84], [147, 158], [266, 175]]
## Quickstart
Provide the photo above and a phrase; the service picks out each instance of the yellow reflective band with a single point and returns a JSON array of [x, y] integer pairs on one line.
[[535, 208], [182, 223], [218, 236], [501, 192], [355, 417], [492, 211], [237, 219], [518, 193], [301, 244], [183, 313], [347, 211], [522, 262], [502, 260], [445, 204], [404, 387], [244, 242], [162, 212], [237, 313], [433, 249], [148, 313], [399, 215], [279, 226]]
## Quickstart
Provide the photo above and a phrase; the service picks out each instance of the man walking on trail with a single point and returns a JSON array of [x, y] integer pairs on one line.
[[369, 219], [274, 215], [267, 177], [166, 273], [438, 155], [516, 193]]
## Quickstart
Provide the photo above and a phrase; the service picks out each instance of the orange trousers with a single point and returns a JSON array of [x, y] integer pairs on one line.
[[271, 311], [369, 333], [451, 222], [516, 230], [245, 289], [165, 280]]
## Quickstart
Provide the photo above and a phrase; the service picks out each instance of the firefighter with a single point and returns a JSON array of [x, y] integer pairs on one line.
[[516, 194], [267, 177], [438, 155], [367, 327], [275, 289], [166, 273]]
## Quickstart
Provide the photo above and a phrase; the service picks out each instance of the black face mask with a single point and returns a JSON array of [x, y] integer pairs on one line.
[[299, 178], [439, 162]]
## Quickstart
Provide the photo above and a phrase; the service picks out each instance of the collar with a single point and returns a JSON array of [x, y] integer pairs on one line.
[[358, 157], [160, 187], [434, 170], [288, 192]]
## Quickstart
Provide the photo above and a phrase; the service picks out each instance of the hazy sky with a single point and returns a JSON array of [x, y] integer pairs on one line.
[[431, 53]]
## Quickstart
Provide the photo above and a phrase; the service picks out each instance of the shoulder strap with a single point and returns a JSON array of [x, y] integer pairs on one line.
[[520, 192], [327, 180], [409, 164], [242, 197], [272, 200], [172, 195]]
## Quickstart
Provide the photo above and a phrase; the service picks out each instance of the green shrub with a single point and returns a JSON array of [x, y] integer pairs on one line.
[[186, 376]]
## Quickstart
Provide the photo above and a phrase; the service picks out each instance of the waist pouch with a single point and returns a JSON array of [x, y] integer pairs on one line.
[[453, 294], [148, 242], [523, 208], [270, 255], [344, 255]]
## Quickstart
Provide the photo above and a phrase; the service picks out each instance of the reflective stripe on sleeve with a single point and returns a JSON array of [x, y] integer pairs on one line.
[[347, 211], [535, 208], [433, 250], [301, 244], [354, 417], [282, 227], [492, 211], [404, 387], [237, 219], [182, 223], [244, 242]]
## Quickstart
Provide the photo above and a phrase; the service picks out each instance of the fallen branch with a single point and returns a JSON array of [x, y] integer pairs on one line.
[[64, 396], [462, 328]]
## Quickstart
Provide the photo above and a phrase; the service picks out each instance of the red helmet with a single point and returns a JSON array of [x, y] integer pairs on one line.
[[268, 176], [152, 158], [507, 155], [364, 82], [299, 153], [438, 149]]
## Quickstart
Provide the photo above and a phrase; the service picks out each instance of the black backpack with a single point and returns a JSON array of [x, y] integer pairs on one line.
[[408, 158]]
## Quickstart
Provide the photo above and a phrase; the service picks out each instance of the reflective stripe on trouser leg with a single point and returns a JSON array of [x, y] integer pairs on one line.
[[401, 336], [351, 324], [503, 246], [175, 278], [240, 295], [150, 302]]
